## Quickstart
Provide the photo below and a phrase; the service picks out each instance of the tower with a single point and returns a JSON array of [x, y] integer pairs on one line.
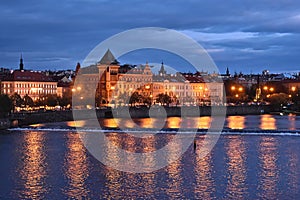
[[162, 70], [227, 72], [21, 63]]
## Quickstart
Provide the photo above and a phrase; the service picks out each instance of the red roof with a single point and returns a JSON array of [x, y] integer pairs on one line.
[[31, 76]]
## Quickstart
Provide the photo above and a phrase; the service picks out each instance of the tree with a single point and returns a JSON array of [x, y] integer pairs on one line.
[[123, 98], [28, 101], [164, 99], [63, 101], [135, 98], [146, 100], [190, 100], [16, 100], [278, 99], [6, 104], [51, 100]]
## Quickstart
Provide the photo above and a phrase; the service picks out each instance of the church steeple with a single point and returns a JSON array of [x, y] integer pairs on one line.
[[162, 70], [21, 63], [227, 72]]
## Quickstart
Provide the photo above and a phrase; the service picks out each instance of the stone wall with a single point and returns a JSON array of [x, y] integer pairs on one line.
[[57, 116]]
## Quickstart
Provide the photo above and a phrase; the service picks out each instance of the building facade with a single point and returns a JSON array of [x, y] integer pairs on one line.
[[24, 82], [116, 84]]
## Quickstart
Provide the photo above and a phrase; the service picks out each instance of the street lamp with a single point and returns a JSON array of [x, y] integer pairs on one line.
[[265, 88]]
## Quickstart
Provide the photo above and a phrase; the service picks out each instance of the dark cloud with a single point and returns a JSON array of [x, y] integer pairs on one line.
[[241, 34]]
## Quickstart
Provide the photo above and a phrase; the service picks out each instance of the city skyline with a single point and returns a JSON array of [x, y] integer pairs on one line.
[[248, 37]]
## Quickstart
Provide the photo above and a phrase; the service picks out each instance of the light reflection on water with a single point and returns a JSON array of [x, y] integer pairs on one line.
[[75, 168], [236, 122], [32, 169], [293, 172], [262, 122], [204, 186], [236, 184], [268, 122], [269, 172], [239, 167]]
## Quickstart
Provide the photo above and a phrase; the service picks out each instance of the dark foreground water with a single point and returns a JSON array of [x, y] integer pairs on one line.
[[36, 164]]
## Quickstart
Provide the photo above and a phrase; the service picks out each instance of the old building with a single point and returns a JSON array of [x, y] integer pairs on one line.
[[115, 84], [25, 82]]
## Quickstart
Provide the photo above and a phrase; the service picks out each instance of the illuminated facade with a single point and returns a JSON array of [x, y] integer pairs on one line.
[[24, 82], [117, 83]]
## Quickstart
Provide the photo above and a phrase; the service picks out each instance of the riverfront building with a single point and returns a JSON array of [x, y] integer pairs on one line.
[[117, 83], [25, 82]]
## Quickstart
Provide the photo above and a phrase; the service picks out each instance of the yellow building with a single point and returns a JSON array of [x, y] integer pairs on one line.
[[117, 83]]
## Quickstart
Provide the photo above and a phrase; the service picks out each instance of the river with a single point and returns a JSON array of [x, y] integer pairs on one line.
[[49, 161]]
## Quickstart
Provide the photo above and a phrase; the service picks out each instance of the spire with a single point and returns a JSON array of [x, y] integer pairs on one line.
[[227, 72], [77, 68], [108, 58], [147, 69], [162, 70], [21, 63]]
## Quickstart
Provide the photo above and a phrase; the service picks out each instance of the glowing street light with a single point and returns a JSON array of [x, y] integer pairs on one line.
[[293, 88]]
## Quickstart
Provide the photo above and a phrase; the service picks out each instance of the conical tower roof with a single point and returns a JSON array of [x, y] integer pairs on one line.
[[108, 58]]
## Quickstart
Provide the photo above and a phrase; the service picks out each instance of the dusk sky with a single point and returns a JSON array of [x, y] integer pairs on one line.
[[247, 36]]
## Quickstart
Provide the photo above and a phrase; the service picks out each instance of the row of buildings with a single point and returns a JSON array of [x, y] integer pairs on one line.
[[115, 83], [35, 84]]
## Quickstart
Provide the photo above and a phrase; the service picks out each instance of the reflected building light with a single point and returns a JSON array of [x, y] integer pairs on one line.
[[204, 187], [268, 122], [33, 172], [173, 170], [173, 122], [203, 122], [236, 122], [78, 123], [236, 184], [76, 168], [110, 123], [147, 123], [268, 177], [292, 122]]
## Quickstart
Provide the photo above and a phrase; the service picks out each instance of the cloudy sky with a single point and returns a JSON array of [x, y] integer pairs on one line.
[[246, 36]]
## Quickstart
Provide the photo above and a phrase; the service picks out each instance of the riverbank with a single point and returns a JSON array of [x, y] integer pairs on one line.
[[133, 112]]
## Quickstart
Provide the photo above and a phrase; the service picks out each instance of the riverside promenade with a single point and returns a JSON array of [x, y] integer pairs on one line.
[[142, 112]]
